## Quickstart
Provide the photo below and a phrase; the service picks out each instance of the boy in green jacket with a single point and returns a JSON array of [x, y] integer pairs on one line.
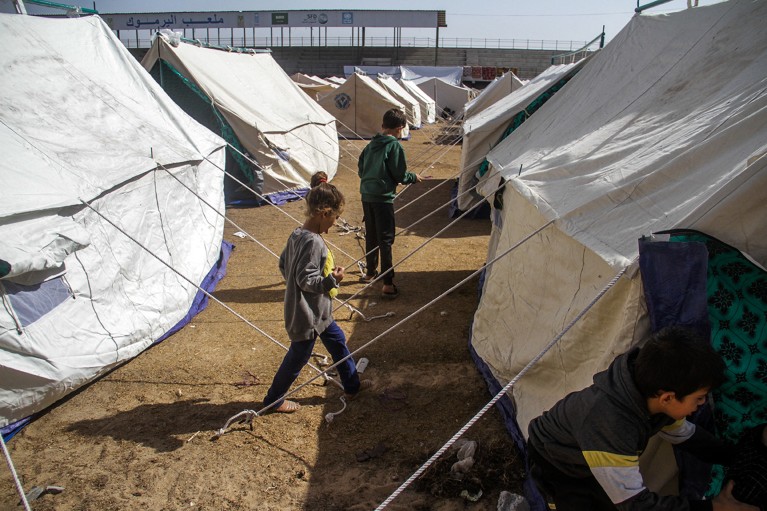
[[382, 167]]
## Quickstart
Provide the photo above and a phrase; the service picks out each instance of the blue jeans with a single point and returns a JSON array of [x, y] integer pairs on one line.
[[298, 355]]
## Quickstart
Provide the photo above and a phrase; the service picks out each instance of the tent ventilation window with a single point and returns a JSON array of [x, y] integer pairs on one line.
[[30, 303]]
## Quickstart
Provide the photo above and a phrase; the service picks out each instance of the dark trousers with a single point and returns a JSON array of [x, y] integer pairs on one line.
[[298, 355], [567, 493], [379, 238]]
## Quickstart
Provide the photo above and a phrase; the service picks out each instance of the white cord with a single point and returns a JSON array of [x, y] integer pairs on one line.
[[16, 481], [331, 415], [502, 392]]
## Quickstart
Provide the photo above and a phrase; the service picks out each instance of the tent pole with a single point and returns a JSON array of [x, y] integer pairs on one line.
[[20, 7], [641, 8]]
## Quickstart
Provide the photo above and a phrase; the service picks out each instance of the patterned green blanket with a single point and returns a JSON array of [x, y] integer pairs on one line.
[[737, 308]]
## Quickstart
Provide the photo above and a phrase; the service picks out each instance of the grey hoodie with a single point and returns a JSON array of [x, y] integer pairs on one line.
[[308, 307]]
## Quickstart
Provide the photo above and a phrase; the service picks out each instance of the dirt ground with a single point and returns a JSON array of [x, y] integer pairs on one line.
[[144, 436]]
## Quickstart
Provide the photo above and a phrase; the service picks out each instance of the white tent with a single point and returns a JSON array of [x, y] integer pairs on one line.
[[449, 74], [495, 91], [359, 105], [445, 95], [481, 132], [305, 79], [314, 86], [412, 107], [286, 132], [428, 107], [82, 122], [666, 127], [336, 79]]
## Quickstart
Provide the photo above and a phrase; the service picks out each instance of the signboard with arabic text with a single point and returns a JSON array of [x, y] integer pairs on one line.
[[266, 19]]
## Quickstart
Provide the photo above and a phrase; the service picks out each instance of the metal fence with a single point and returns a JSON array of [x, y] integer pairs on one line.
[[224, 37]]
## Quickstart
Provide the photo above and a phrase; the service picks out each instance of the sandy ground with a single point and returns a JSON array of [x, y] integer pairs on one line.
[[144, 436]]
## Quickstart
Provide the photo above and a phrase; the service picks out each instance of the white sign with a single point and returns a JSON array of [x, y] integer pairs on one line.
[[243, 19]]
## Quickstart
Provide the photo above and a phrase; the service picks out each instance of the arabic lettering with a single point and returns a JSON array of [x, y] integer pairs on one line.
[[138, 23], [210, 21], [170, 21]]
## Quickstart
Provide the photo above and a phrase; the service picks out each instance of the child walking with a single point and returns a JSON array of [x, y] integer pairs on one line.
[[381, 168], [309, 282]]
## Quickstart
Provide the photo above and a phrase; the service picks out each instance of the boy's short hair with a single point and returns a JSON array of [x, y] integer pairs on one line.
[[679, 360], [394, 118]]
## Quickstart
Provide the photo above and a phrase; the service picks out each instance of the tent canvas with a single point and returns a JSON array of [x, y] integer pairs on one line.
[[395, 71], [285, 132], [313, 86], [316, 91], [666, 127], [428, 107], [359, 105], [305, 79], [412, 107], [496, 90], [449, 74], [82, 122], [445, 95], [483, 131]]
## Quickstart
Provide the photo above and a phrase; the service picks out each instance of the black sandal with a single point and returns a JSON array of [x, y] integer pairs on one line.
[[391, 296]]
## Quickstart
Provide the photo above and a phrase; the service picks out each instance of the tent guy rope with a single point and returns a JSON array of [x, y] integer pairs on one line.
[[380, 276], [247, 416], [16, 480], [353, 310], [210, 296], [503, 391]]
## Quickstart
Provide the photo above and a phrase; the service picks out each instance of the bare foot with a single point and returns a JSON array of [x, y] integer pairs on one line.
[[287, 407]]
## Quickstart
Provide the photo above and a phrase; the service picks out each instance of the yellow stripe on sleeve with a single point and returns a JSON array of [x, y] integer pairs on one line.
[[676, 425], [597, 459]]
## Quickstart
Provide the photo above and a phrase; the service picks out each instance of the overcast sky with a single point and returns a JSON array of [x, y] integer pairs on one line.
[[568, 20]]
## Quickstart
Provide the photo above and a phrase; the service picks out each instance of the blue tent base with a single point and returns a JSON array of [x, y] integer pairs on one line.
[[275, 198], [209, 283]]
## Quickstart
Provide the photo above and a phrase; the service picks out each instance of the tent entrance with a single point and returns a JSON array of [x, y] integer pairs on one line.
[[199, 106]]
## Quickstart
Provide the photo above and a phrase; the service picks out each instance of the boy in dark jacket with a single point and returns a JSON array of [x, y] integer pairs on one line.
[[584, 452], [382, 167]]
